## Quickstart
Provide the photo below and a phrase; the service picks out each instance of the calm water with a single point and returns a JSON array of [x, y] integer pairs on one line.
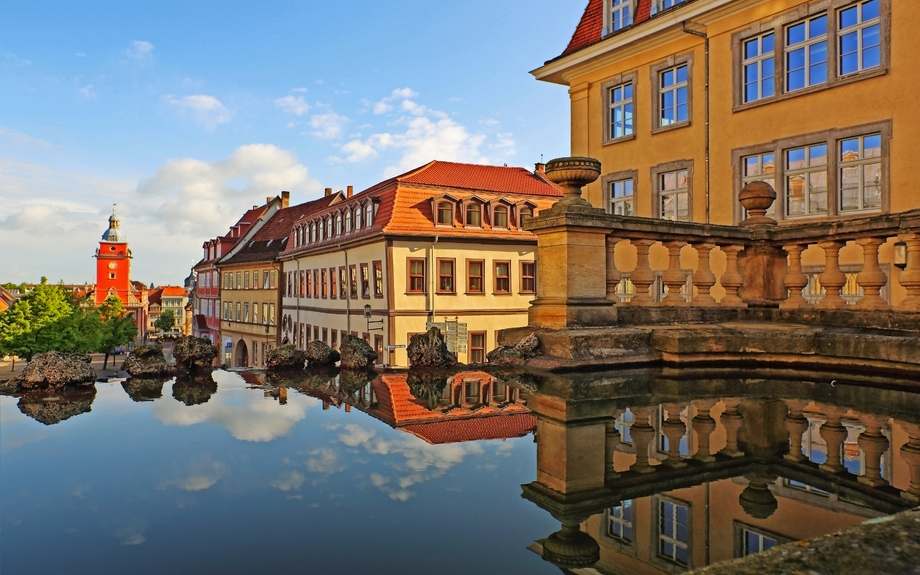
[[662, 471]]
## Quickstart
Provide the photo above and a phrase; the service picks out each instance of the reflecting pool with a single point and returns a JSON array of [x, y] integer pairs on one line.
[[646, 471]]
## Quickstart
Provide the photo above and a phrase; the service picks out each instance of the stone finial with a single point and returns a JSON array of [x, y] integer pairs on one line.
[[757, 197], [572, 174]]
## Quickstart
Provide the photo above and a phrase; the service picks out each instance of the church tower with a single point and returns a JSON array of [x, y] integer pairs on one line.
[[113, 264]]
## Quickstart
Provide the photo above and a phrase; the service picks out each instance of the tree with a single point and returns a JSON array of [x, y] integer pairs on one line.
[[166, 321], [38, 321], [117, 327]]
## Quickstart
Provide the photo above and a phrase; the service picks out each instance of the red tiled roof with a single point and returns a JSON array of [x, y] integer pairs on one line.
[[172, 291], [474, 429], [476, 177], [395, 402]]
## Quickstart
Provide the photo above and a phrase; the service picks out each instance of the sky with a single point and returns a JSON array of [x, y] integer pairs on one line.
[[185, 114]]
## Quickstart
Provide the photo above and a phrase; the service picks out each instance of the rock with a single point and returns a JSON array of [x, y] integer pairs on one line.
[[55, 370], [318, 353], [517, 354], [356, 353], [192, 352], [147, 361], [51, 407], [429, 350], [144, 389], [285, 356], [194, 390]]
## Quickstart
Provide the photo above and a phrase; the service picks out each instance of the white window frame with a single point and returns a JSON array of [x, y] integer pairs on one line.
[[805, 172], [860, 164], [758, 62], [805, 46], [622, 109], [675, 88], [674, 194], [618, 15], [858, 29]]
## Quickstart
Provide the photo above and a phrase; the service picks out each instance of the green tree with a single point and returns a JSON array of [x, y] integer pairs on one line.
[[166, 321], [38, 321], [117, 327]]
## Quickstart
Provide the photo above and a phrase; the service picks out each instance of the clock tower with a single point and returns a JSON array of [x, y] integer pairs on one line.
[[113, 264]]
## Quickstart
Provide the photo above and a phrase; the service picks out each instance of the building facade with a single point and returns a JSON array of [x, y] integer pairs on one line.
[[440, 245], [172, 298], [113, 274]]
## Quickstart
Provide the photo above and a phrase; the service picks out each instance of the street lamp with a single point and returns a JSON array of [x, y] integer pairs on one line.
[[900, 255], [367, 317]]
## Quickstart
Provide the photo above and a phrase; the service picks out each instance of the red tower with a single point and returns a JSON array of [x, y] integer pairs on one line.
[[113, 265]]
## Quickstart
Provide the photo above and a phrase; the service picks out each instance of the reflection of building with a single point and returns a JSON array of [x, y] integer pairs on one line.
[[441, 244], [678, 473], [113, 274], [172, 298]]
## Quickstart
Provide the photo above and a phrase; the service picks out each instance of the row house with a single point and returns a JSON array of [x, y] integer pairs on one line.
[[686, 101], [440, 245], [172, 298]]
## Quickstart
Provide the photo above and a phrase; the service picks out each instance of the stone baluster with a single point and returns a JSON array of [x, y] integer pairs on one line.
[[795, 280], [731, 420], [832, 279], [675, 278], [910, 453], [611, 439], [874, 444], [796, 425], [642, 435], [703, 278], [833, 434], [674, 429], [703, 425], [871, 278], [613, 274], [909, 277], [642, 277], [732, 278]]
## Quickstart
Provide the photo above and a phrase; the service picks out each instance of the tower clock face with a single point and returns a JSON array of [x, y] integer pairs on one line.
[[113, 265]]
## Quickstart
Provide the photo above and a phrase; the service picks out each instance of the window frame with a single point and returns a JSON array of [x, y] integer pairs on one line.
[[614, 177], [365, 281], [478, 209], [353, 281], [481, 277], [410, 276], [532, 276], [606, 88], [656, 71], [377, 266], [738, 530], [655, 553], [343, 282], [661, 169], [624, 8], [443, 205], [473, 349], [496, 277], [452, 276]]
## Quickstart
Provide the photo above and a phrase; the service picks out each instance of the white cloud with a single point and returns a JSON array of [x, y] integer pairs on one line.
[[325, 461], [88, 92], [290, 481], [298, 89], [133, 535], [80, 54], [293, 105], [140, 49], [205, 110], [204, 474], [386, 104], [19, 139], [13, 60], [328, 125]]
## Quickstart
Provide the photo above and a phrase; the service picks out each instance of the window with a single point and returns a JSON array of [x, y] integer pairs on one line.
[[326, 335], [673, 96], [378, 279], [246, 312], [858, 37], [369, 214], [272, 279], [620, 198], [502, 277], [271, 314], [312, 233], [758, 68], [111, 275], [659, 5], [309, 283], [620, 14], [621, 111], [338, 223], [446, 276], [477, 347], [265, 313], [348, 221], [255, 312], [500, 217], [328, 228], [324, 284], [228, 280], [806, 180], [749, 541], [357, 217], [239, 280], [335, 340], [317, 284], [445, 213], [315, 332], [759, 167], [860, 166], [806, 53], [674, 532], [526, 214], [620, 521], [528, 277], [474, 269], [239, 312], [365, 281], [353, 281], [416, 282], [674, 195], [265, 281], [343, 283], [303, 283], [474, 214]]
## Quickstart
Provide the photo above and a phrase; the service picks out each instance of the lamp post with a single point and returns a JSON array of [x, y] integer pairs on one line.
[[367, 318]]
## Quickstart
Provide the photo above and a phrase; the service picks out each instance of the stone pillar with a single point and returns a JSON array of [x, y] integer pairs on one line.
[[675, 278], [832, 279], [673, 428], [731, 420], [613, 274], [763, 270], [910, 275], [732, 279], [871, 278], [703, 425], [795, 280], [910, 453], [834, 435], [611, 439], [570, 456], [796, 425], [642, 277], [703, 278], [642, 434], [874, 444]]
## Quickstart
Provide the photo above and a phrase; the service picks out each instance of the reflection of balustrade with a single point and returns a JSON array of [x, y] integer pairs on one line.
[[910, 452]]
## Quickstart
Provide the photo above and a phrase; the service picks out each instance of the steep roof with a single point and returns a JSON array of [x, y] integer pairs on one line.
[[456, 431], [481, 178], [172, 291]]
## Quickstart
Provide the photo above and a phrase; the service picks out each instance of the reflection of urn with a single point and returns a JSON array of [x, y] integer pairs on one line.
[[571, 548], [757, 197], [573, 173], [757, 500]]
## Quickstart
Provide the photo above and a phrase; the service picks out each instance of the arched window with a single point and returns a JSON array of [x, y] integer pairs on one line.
[[338, 223], [312, 233], [328, 228], [348, 221], [526, 214], [500, 217], [369, 214], [474, 215], [358, 217], [445, 213]]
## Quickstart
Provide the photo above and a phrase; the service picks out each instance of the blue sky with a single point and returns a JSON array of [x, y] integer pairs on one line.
[[185, 114]]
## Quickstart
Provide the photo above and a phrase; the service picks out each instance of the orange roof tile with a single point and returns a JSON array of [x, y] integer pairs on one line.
[[474, 429], [476, 177]]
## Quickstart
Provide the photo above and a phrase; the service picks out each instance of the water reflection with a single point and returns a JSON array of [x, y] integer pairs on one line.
[[194, 389], [54, 407], [144, 389]]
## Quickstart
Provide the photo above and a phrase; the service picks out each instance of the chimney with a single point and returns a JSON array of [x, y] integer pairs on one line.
[[351, 191], [285, 199], [328, 192], [257, 207], [539, 168]]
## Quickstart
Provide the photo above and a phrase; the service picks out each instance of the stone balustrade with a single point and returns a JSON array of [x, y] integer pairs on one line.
[[684, 264]]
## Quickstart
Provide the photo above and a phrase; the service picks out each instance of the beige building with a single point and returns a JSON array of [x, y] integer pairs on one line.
[[442, 244]]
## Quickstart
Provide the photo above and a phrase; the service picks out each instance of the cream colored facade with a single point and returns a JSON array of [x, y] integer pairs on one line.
[[856, 117], [248, 312]]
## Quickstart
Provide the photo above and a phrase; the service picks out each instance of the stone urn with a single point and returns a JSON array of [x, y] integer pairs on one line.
[[571, 548], [757, 197], [572, 174]]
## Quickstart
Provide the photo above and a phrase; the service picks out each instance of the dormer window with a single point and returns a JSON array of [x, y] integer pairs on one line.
[[445, 213], [358, 217], [525, 214], [348, 221], [328, 228], [500, 217], [369, 214], [474, 215], [659, 5], [619, 15], [338, 223]]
